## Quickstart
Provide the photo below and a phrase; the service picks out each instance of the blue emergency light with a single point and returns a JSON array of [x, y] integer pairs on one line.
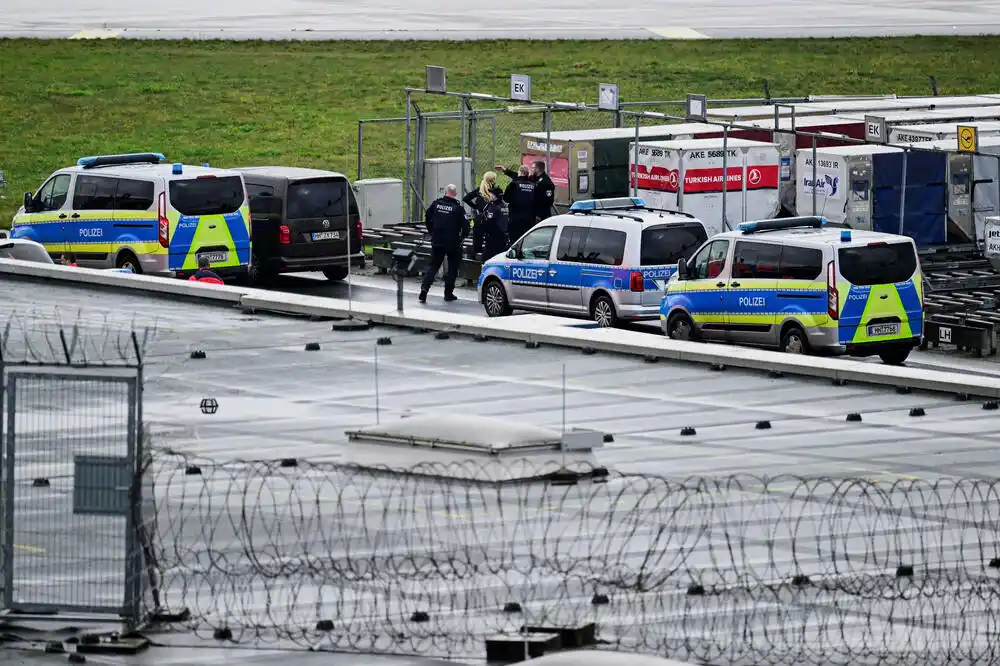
[[205, 165], [128, 158], [177, 169], [618, 203], [845, 235]]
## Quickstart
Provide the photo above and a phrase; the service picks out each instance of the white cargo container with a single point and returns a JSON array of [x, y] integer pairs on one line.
[[842, 182], [877, 106], [939, 131], [688, 176]]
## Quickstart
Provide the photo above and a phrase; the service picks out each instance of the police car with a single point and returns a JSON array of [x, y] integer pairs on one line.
[[134, 212], [608, 259], [802, 286]]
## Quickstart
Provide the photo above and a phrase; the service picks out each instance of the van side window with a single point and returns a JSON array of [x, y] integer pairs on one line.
[[605, 247], [800, 263], [94, 193], [53, 194], [570, 244], [670, 243], [756, 260], [134, 194], [538, 243], [710, 261]]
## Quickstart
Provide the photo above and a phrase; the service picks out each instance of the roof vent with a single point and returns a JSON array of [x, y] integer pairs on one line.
[[473, 448]]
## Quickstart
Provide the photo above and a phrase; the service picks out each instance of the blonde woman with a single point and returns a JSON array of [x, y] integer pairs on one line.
[[489, 231]]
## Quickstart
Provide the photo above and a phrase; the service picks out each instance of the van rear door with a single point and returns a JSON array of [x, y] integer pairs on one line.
[[661, 247], [211, 222], [320, 214], [882, 300]]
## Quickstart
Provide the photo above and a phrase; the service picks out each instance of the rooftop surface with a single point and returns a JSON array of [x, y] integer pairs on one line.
[[267, 551]]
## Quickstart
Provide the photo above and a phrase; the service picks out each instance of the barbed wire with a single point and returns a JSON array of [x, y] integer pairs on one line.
[[782, 570], [61, 337]]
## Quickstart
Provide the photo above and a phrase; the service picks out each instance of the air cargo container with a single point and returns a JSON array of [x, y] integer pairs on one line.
[[862, 186], [688, 176], [871, 106], [973, 184], [938, 131], [593, 164]]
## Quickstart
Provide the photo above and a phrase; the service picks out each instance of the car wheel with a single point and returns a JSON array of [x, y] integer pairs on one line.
[[495, 300], [258, 274], [602, 310], [680, 327], [336, 273], [895, 356], [128, 260], [794, 341]]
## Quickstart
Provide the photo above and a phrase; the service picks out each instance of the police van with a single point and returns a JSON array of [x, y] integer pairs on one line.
[[802, 286], [137, 213], [607, 259]]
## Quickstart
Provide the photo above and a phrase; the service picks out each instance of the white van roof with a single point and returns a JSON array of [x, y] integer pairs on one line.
[[817, 237]]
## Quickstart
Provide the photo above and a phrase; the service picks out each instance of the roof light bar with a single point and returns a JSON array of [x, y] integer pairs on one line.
[[112, 160], [617, 203], [809, 222]]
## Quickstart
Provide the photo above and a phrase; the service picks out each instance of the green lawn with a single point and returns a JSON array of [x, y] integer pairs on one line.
[[298, 103]]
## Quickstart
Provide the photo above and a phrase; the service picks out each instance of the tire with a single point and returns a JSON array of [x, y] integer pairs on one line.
[[680, 327], [896, 356], [602, 310], [128, 260], [336, 273], [257, 274], [794, 341], [495, 300]]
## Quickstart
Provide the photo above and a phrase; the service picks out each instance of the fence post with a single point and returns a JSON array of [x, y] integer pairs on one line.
[[635, 159], [902, 193], [548, 141], [10, 389], [493, 143], [409, 174], [473, 143], [361, 147], [463, 119], [725, 175], [814, 174]]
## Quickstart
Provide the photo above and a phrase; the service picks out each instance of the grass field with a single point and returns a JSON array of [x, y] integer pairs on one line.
[[298, 103]]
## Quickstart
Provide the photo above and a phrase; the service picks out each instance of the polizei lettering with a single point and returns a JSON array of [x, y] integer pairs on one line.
[[752, 301], [527, 273]]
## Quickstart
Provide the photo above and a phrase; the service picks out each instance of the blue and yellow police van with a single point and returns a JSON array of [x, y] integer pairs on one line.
[[137, 212], [803, 286]]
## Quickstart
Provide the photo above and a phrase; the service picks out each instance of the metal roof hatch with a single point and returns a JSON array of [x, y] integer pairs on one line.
[[474, 448]]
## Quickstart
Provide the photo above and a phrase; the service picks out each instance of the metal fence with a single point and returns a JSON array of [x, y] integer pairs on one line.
[[71, 424], [733, 570]]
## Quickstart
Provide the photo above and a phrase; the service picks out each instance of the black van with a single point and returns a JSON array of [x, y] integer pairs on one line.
[[302, 220]]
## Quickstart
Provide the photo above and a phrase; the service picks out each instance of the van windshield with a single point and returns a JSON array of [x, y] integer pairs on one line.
[[879, 263], [207, 196], [669, 243], [317, 198]]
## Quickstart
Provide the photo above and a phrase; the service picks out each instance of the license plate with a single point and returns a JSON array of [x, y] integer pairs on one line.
[[326, 235], [878, 330], [215, 257]]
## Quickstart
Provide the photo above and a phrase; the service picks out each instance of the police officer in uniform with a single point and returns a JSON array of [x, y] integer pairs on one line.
[[545, 189], [448, 226], [520, 197]]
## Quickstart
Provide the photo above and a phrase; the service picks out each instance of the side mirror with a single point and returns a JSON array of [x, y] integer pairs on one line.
[[682, 269], [514, 253], [27, 202]]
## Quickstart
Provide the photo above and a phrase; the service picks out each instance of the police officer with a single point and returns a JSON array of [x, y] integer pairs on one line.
[[486, 231], [205, 273], [520, 197], [448, 226], [545, 189]]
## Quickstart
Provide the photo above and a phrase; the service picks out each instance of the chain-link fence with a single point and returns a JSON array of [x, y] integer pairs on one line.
[[71, 424]]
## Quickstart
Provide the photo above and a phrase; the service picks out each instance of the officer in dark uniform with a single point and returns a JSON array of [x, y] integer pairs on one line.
[[448, 226], [545, 192], [520, 198], [545, 189]]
